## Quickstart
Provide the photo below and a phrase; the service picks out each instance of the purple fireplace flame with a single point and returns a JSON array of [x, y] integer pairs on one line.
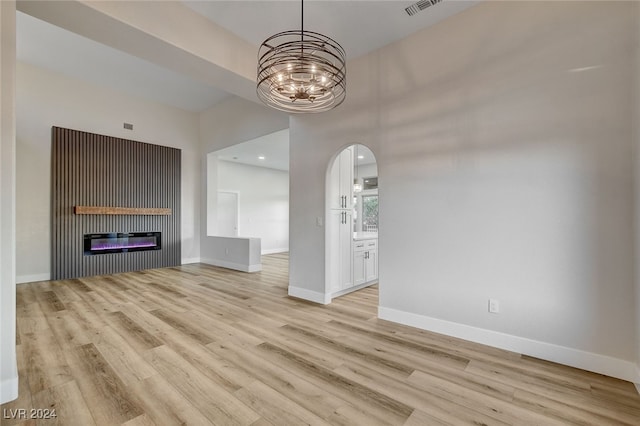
[[121, 242]]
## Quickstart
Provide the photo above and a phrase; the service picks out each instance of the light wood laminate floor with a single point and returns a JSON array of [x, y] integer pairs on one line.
[[201, 345]]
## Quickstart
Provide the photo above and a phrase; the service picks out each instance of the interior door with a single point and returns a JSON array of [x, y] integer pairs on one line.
[[227, 214]]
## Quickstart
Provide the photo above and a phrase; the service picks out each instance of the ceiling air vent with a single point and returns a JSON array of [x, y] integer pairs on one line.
[[421, 5]]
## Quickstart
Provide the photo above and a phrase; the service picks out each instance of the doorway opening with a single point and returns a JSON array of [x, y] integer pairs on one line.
[[351, 243], [227, 214]]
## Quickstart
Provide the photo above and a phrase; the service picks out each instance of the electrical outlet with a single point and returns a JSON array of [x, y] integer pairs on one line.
[[226, 251], [318, 221], [494, 306]]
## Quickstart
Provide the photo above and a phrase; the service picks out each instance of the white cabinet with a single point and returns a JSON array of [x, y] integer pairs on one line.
[[341, 181], [359, 261], [371, 265], [365, 261], [340, 222], [341, 235]]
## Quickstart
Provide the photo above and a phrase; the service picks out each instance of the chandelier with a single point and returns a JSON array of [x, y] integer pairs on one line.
[[301, 71]]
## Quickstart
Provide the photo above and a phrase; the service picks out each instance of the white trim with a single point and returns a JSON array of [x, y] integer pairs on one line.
[[20, 279], [232, 265], [637, 380], [274, 251], [191, 260], [9, 390], [597, 363], [310, 295]]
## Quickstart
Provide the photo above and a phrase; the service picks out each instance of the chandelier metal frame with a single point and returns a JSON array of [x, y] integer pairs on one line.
[[301, 71]]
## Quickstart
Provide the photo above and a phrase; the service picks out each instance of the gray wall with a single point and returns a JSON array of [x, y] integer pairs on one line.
[[96, 170], [506, 172]]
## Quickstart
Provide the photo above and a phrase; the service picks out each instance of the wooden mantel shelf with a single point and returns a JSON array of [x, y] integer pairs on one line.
[[122, 210]]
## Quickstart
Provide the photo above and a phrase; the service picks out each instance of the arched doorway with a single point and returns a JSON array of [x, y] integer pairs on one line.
[[351, 221]]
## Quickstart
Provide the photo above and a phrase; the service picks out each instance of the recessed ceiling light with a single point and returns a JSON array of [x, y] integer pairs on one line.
[[261, 157], [360, 157]]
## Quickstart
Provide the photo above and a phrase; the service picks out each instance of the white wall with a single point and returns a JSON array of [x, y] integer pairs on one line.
[[8, 366], [263, 202], [46, 99], [230, 122], [505, 172]]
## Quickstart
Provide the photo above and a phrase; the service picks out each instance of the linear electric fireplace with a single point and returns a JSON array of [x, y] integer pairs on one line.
[[121, 242]]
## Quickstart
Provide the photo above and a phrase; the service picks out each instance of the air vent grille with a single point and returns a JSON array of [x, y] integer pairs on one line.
[[421, 5]]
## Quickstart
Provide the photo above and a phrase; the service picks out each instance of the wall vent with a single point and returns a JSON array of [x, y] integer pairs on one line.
[[420, 6], [128, 126]]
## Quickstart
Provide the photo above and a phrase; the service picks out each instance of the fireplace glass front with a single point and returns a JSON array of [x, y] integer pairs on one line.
[[117, 242]]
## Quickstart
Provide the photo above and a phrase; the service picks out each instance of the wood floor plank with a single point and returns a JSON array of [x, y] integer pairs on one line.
[[164, 405], [304, 391], [66, 402], [45, 361], [143, 420], [212, 400], [189, 328], [276, 408], [436, 405], [201, 345], [395, 409], [106, 394], [566, 413], [420, 418], [480, 402], [122, 357], [210, 364], [137, 336]]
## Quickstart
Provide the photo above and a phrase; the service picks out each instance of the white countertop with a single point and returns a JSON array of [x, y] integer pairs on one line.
[[357, 236]]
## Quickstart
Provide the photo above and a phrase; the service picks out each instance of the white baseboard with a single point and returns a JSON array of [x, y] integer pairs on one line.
[[597, 363], [192, 260], [21, 279], [231, 265], [274, 251], [8, 390], [312, 296]]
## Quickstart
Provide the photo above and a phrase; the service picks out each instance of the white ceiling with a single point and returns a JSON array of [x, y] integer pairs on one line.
[[47, 46], [360, 26], [273, 147], [274, 150]]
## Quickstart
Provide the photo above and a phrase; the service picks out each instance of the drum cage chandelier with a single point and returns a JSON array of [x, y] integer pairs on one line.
[[301, 71]]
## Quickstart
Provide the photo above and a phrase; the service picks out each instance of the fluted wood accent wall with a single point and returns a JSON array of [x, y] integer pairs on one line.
[[96, 170]]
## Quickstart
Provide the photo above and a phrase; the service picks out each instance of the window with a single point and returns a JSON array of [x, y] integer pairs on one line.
[[370, 213]]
